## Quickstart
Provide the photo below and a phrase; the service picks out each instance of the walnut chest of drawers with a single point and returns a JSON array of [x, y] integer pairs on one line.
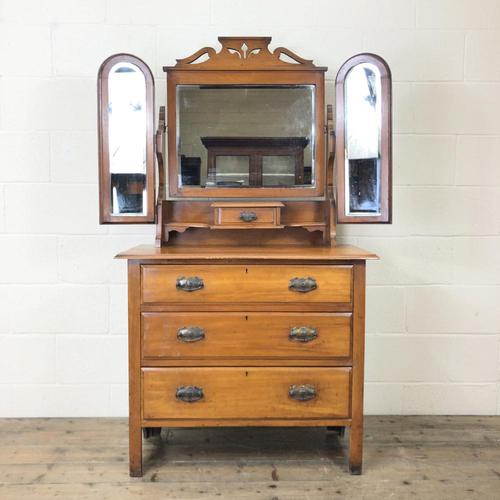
[[246, 336]]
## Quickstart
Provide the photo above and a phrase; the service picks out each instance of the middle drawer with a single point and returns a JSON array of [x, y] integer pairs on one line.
[[245, 335]]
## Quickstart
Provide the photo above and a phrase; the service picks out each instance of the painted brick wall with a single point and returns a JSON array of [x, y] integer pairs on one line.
[[433, 328]]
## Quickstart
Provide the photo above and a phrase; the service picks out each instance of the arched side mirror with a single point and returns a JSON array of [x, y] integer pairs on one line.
[[126, 141], [364, 141]]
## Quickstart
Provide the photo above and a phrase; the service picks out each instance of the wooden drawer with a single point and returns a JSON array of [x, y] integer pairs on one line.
[[251, 284], [246, 335], [247, 215], [245, 392]]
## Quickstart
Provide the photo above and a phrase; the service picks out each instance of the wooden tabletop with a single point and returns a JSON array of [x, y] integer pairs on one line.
[[340, 252]]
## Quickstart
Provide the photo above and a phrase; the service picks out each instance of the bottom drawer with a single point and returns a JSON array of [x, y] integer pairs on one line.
[[245, 392]]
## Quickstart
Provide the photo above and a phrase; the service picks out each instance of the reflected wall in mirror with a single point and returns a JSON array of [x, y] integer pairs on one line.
[[125, 141], [245, 136], [364, 140]]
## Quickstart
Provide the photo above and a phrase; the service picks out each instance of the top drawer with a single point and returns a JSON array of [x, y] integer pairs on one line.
[[246, 284]]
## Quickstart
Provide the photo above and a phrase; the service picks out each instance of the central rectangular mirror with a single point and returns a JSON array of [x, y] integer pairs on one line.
[[245, 136]]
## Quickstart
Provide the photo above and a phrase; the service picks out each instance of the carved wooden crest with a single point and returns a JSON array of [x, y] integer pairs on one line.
[[245, 53]]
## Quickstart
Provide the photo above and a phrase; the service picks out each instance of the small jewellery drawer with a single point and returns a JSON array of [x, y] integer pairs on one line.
[[177, 284], [245, 335], [247, 215], [245, 393]]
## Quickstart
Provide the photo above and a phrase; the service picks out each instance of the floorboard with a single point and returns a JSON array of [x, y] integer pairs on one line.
[[427, 457]]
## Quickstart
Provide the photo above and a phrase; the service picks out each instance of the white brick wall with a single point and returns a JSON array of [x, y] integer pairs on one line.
[[433, 311]]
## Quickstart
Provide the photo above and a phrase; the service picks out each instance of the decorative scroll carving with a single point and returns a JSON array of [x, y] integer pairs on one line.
[[245, 53]]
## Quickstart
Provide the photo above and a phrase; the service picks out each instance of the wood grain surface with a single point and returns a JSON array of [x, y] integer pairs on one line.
[[245, 335], [266, 253], [245, 392], [253, 283]]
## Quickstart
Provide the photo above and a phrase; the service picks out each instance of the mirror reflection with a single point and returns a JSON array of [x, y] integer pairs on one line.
[[363, 118], [245, 136], [127, 139]]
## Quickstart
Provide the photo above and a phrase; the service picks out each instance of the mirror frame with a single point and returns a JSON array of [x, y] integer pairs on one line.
[[385, 216], [105, 215], [256, 66]]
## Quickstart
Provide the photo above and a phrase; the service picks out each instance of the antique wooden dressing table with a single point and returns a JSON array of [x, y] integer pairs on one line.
[[245, 312]]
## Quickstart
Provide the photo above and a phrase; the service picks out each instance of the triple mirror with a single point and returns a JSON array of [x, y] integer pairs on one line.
[[242, 134]]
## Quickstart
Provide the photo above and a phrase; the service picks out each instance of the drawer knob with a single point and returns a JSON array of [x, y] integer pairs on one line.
[[190, 334], [248, 216], [303, 392], [303, 285], [190, 284], [302, 333], [189, 393]]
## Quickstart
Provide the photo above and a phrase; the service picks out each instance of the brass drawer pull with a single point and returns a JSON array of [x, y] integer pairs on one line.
[[303, 285], [303, 392], [190, 334], [190, 284], [248, 216], [302, 333], [189, 393]]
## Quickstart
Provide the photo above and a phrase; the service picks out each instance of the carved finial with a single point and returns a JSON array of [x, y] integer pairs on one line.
[[247, 52]]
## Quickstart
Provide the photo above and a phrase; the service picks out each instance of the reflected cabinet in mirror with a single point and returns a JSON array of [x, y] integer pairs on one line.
[[363, 133], [242, 136], [126, 153]]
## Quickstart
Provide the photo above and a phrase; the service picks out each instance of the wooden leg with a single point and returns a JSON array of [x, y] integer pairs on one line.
[[135, 450], [356, 449], [134, 357], [356, 434]]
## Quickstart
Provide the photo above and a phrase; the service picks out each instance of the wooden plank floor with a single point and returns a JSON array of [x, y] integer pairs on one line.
[[405, 457]]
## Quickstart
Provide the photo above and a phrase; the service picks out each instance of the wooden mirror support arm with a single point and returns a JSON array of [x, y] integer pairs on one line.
[[330, 208], [160, 134], [159, 141]]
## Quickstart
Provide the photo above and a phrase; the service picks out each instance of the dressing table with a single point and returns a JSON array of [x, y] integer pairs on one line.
[[245, 311]]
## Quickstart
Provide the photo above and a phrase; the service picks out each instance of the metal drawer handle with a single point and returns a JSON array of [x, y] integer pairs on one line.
[[302, 285], [190, 334], [302, 333], [248, 216], [303, 392], [189, 393], [190, 284]]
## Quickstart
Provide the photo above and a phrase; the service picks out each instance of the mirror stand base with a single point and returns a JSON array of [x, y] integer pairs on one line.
[[233, 223]]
